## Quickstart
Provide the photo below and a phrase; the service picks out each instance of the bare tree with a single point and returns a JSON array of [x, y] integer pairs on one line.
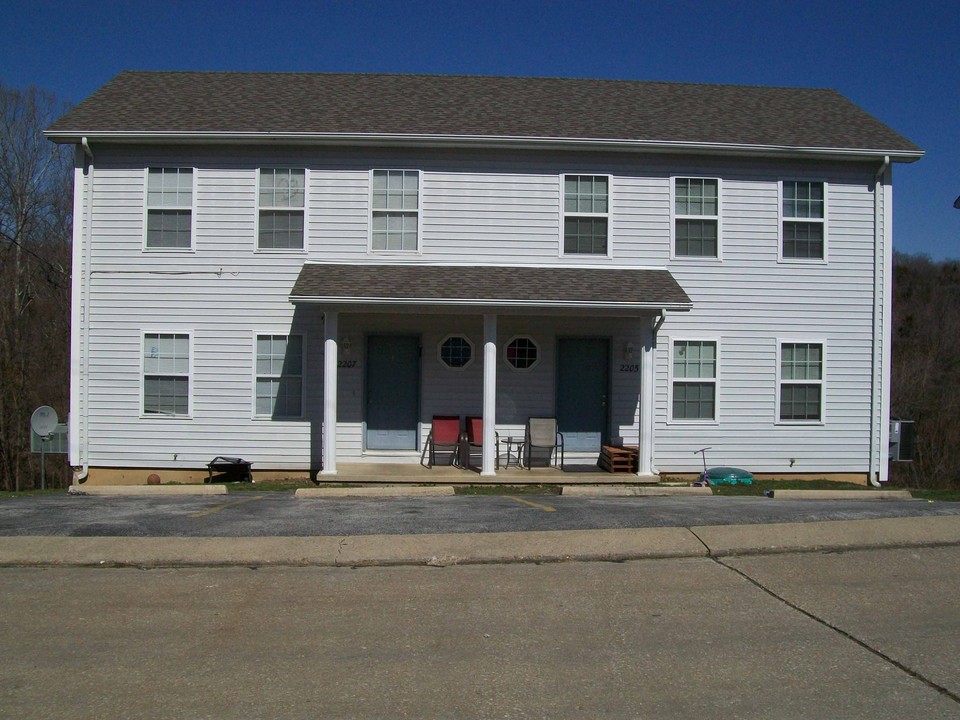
[[35, 230], [926, 367]]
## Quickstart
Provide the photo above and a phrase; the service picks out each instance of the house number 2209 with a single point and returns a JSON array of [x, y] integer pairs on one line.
[[629, 368]]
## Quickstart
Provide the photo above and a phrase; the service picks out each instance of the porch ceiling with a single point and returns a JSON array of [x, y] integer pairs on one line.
[[494, 287]]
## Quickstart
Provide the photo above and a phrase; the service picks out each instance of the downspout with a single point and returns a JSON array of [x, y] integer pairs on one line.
[[85, 277], [882, 286]]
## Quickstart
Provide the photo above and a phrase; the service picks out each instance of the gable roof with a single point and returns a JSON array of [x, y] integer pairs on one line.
[[316, 106], [489, 286]]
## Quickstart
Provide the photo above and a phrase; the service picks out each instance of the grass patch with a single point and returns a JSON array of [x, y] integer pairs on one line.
[[506, 489], [951, 495], [9, 494], [269, 486], [761, 486]]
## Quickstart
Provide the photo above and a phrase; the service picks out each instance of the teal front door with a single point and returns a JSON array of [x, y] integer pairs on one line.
[[393, 392], [583, 383]]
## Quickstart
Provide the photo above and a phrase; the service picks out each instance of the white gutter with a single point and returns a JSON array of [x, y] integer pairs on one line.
[[82, 295], [882, 307], [484, 141]]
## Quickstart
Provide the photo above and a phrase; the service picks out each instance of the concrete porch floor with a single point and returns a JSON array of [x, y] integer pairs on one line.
[[396, 473]]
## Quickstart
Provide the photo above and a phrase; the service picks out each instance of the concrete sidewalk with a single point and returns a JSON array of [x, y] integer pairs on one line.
[[479, 548]]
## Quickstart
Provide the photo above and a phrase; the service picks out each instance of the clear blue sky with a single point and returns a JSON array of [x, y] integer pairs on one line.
[[898, 60]]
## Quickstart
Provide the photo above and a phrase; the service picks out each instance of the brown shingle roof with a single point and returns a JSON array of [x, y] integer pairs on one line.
[[493, 286], [477, 106]]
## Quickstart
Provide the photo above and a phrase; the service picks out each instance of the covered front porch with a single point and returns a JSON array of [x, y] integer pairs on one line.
[[405, 343]]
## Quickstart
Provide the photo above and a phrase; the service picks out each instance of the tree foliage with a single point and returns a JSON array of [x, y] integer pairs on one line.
[[926, 367], [36, 201]]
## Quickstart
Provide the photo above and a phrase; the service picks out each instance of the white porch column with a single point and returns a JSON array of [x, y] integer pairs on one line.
[[330, 352], [647, 370], [489, 395]]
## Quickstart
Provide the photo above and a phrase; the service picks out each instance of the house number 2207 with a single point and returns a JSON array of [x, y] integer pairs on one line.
[[629, 368], [346, 363]]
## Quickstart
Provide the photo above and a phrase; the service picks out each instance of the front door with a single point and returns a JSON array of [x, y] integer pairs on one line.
[[393, 392], [583, 383]]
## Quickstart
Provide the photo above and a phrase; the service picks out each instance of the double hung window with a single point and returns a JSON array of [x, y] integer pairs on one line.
[[395, 210], [166, 374], [586, 214], [803, 211], [169, 207], [696, 211], [694, 380], [801, 382], [279, 392], [281, 202]]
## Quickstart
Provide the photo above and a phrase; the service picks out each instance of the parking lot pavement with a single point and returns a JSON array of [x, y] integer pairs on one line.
[[280, 514]]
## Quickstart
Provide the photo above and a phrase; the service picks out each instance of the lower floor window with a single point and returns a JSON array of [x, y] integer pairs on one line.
[[801, 381], [694, 380], [279, 376], [166, 374]]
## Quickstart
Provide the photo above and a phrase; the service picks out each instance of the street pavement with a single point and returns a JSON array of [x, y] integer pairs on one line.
[[858, 634]]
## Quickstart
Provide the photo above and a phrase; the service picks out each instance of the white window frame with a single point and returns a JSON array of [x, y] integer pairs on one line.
[[256, 376], [143, 374], [473, 352], [279, 208], [514, 368], [608, 215], [374, 211], [781, 219], [674, 216], [147, 207], [822, 382], [716, 380]]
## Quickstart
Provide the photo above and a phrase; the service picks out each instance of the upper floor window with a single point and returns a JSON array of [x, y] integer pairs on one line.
[[803, 212], [801, 381], [281, 201], [395, 210], [169, 207], [166, 374], [694, 379], [586, 214], [279, 376], [696, 213]]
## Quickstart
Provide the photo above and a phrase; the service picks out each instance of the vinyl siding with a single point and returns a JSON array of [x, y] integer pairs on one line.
[[475, 208]]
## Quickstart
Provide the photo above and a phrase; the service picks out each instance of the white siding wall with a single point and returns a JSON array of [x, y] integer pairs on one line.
[[475, 209]]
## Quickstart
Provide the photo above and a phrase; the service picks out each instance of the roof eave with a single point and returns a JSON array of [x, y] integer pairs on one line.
[[478, 141], [492, 302]]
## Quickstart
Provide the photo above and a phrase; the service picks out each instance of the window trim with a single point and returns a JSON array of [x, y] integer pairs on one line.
[[372, 210], [608, 215], [513, 367], [715, 420], [144, 332], [303, 377], [781, 219], [674, 216], [147, 208], [473, 351], [781, 341], [305, 209]]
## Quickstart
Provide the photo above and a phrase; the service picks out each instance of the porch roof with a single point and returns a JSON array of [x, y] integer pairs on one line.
[[494, 287]]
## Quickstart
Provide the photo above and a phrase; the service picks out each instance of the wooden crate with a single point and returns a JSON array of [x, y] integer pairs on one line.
[[619, 459]]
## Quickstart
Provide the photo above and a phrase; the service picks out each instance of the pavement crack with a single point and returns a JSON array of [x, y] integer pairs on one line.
[[706, 547], [840, 631], [340, 544]]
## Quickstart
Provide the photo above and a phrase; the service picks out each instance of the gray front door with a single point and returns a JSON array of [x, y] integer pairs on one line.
[[583, 382], [393, 392]]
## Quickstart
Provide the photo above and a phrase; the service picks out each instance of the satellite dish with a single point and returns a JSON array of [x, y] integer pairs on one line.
[[44, 420]]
